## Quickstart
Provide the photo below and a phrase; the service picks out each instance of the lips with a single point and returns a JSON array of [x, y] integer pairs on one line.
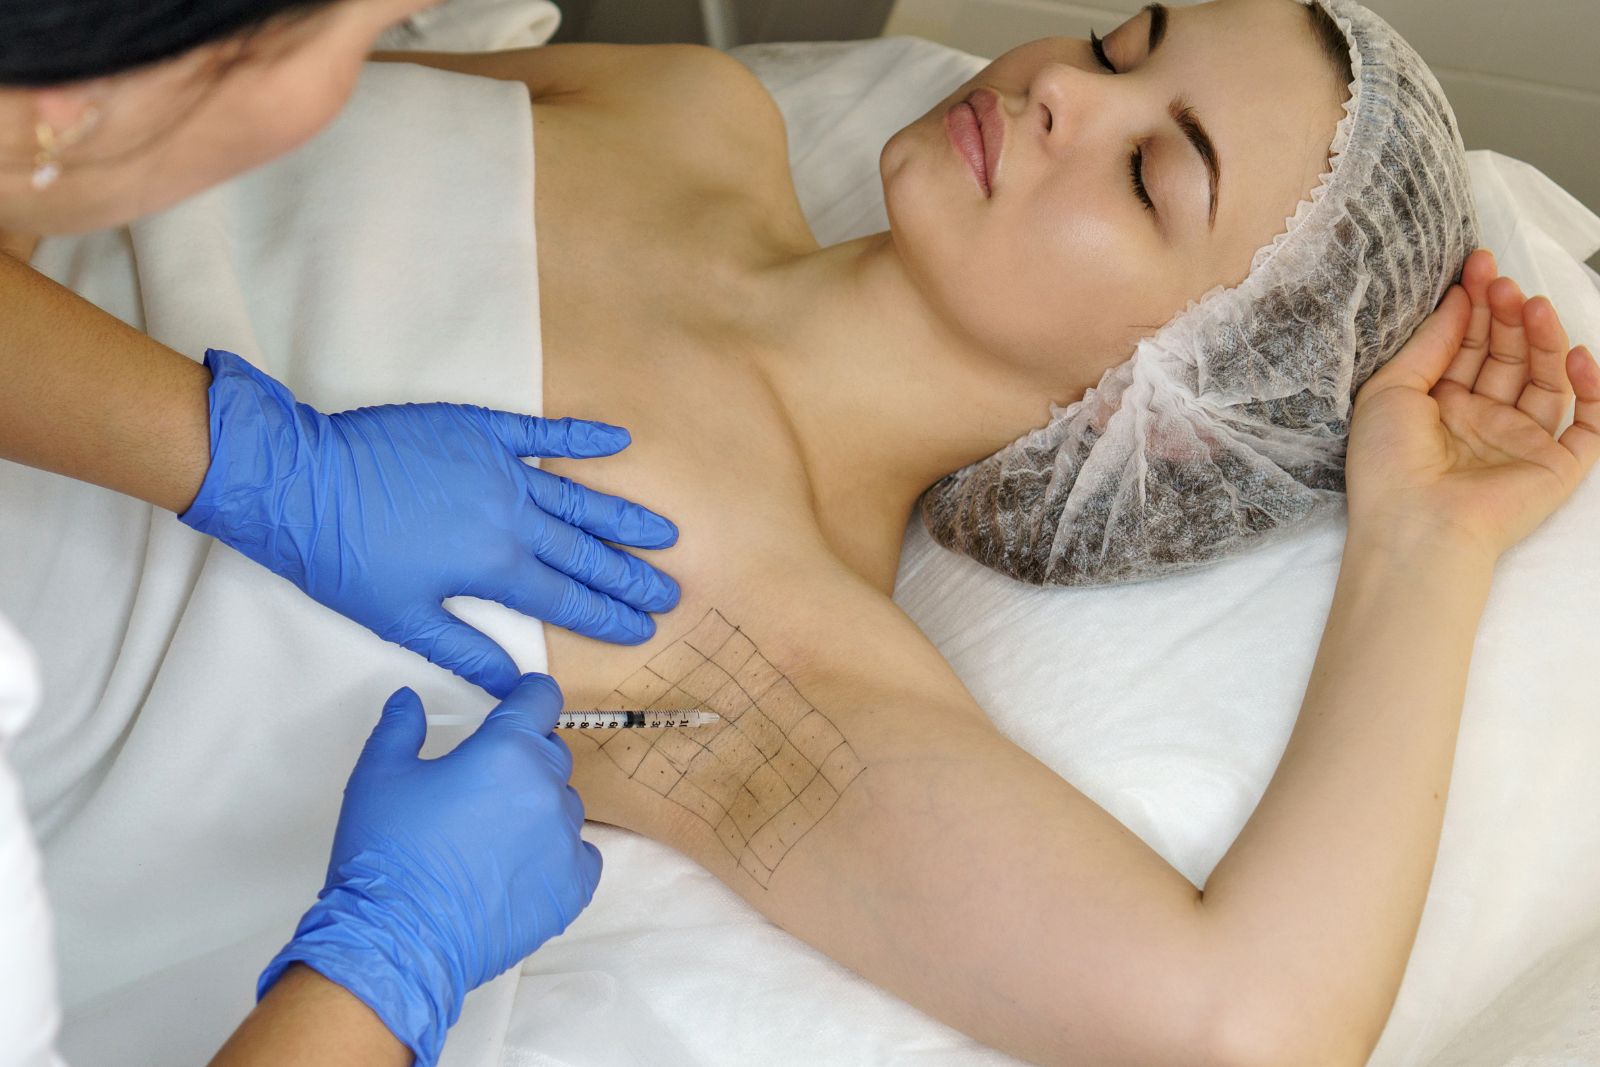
[[977, 130]]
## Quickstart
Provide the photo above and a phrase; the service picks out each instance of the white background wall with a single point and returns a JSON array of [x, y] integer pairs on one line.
[[1523, 75]]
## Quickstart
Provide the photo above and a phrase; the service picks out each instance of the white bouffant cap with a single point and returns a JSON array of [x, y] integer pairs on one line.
[[1228, 425]]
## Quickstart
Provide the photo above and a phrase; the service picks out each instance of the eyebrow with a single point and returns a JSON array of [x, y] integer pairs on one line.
[[1184, 115], [1158, 25], [1189, 123]]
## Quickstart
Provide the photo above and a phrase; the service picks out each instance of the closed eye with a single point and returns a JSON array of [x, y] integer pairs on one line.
[[1136, 160], [1098, 47], [1136, 173]]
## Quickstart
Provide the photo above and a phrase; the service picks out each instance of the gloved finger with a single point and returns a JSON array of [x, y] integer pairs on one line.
[[531, 707], [450, 643], [609, 517], [528, 435], [616, 573], [400, 730], [539, 590], [572, 804], [590, 866]]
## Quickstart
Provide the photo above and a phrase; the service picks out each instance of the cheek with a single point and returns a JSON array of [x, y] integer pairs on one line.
[[1105, 258], [1069, 265], [934, 218], [301, 98], [1060, 281]]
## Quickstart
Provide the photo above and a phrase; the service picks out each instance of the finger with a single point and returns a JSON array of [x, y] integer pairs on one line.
[[579, 877], [400, 730], [1423, 358], [616, 573], [605, 516], [537, 589], [1479, 268], [528, 435], [1582, 438], [1544, 399], [523, 725], [450, 643], [589, 865], [1505, 372], [572, 805], [1475, 278], [531, 707]]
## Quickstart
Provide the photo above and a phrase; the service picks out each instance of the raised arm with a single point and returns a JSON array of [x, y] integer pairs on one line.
[[887, 823], [859, 798]]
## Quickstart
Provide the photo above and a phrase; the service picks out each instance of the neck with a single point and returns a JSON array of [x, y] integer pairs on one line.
[[883, 397]]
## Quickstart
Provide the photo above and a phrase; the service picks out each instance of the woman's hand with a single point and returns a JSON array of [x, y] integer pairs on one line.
[[1455, 438]]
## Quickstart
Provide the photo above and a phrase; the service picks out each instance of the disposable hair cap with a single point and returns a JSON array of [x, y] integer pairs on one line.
[[1227, 427]]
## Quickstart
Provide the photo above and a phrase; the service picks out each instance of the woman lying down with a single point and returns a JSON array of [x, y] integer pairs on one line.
[[1088, 307]]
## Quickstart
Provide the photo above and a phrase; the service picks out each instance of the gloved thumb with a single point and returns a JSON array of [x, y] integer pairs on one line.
[[530, 707], [400, 730]]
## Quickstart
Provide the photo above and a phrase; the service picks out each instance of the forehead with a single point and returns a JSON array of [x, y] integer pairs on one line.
[[1271, 97]]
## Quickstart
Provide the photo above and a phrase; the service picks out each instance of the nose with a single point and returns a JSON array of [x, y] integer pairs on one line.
[[1062, 97]]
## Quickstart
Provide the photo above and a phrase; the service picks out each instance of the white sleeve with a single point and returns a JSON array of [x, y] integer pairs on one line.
[[29, 1014]]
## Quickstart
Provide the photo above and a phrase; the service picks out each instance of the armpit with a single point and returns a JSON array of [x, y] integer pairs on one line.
[[764, 775]]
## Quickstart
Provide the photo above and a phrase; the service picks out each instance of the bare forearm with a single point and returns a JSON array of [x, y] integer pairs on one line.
[[1316, 905], [90, 397], [306, 1019]]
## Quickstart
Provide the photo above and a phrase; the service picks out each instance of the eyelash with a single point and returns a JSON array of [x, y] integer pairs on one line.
[[1136, 160], [1136, 173], [1097, 46]]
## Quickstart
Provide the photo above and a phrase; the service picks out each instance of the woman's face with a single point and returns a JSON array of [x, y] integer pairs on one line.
[[170, 130], [1040, 246]]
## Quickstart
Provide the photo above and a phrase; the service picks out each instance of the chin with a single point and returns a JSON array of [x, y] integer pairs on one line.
[[918, 192]]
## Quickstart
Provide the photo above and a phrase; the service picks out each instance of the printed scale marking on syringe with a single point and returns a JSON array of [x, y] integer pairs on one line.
[[601, 720]]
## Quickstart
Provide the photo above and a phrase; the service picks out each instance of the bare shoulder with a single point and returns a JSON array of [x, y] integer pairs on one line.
[[695, 102]]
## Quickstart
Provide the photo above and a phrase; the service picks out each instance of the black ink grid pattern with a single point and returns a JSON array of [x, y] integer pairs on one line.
[[764, 775]]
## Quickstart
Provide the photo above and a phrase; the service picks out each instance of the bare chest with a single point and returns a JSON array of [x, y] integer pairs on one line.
[[640, 252]]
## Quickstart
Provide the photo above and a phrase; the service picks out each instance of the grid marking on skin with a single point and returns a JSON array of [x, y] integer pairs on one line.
[[763, 776]]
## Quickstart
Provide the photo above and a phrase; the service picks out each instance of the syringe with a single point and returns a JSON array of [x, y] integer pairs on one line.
[[600, 720]]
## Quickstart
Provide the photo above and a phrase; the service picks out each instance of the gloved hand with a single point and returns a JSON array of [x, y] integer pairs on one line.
[[446, 872], [382, 512]]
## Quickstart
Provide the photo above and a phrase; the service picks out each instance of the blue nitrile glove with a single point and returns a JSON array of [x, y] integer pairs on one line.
[[382, 512], [446, 872]]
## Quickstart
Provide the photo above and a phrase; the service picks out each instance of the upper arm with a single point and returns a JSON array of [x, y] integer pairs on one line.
[[858, 796], [981, 886]]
